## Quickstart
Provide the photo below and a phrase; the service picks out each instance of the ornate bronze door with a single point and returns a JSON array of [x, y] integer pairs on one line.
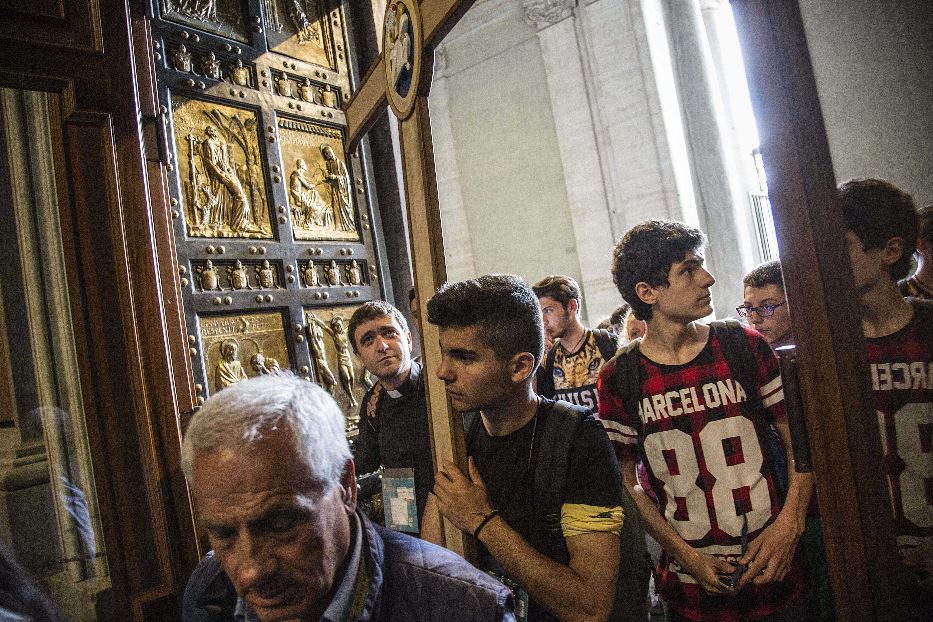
[[271, 214]]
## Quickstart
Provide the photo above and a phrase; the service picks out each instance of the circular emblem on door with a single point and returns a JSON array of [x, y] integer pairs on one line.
[[402, 50]]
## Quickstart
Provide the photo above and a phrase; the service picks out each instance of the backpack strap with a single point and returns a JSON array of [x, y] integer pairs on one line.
[[607, 343], [627, 376], [739, 356], [552, 460]]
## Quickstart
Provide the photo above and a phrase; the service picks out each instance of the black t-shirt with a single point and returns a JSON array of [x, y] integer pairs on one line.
[[507, 465]]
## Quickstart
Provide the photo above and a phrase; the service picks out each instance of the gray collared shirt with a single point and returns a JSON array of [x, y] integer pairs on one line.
[[339, 608]]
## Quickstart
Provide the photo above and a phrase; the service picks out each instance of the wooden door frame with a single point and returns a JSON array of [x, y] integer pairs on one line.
[[833, 367], [117, 243]]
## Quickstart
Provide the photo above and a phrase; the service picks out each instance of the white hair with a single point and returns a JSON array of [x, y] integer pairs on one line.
[[240, 416]]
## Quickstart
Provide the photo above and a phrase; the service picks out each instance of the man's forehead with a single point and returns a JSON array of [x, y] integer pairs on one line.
[[692, 257], [462, 337], [378, 323], [764, 293]]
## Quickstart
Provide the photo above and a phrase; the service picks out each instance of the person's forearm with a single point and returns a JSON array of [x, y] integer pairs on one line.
[[800, 485], [558, 588], [658, 528]]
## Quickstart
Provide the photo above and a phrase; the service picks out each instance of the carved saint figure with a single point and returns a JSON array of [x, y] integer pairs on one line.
[[209, 280], [225, 187], [304, 27], [311, 277], [283, 86], [307, 204], [332, 274], [266, 275], [338, 331], [337, 177], [229, 370], [399, 43], [262, 365], [211, 67], [237, 275], [328, 97], [198, 9], [239, 74], [181, 58], [319, 353], [306, 91], [353, 273]]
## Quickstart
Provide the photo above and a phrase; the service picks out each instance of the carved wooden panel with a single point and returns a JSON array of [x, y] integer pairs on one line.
[[72, 24]]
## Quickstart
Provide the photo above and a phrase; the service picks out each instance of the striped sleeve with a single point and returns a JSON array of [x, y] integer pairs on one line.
[[621, 427], [771, 387]]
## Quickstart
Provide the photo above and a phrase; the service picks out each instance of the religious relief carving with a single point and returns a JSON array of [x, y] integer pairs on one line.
[[221, 17], [239, 74], [265, 275], [229, 370], [338, 178], [354, 276], [306, 91], [210, 67], [332, 274], [181, 58], [329, 97], [236, 274], [208, 279], [330, 351], [310, 275], [283, 86], [543, 13], [237, 347], [319, 183], [300, 29], [263, 365], [223, 186]]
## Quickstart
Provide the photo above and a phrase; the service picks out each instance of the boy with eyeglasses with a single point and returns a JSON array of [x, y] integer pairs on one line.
[[881, 235], [689, 424], [765, 305]]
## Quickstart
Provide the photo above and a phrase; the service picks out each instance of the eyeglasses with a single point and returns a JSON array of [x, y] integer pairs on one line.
[[765, 310]]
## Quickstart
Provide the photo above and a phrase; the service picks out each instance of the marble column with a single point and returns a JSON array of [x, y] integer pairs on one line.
[[458, 250], [565, 65], [722, 213]]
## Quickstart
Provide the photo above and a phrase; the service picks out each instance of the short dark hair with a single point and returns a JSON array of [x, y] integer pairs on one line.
[[505, 307], [768, 273], [560, 287], [876, 210], [646, 253], [618, 316], [370, 311], [925, 219]]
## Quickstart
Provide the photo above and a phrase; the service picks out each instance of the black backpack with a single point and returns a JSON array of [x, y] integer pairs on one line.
[[606, 342], [923, 309], [548, 484]]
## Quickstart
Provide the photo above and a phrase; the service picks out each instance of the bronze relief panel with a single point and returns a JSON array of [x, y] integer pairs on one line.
[[300, 29], [227, 18], [220, 163], [237, 347], [336, 368], [320, 189]]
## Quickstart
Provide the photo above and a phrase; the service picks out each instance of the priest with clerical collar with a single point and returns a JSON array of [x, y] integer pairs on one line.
[[393, 428]]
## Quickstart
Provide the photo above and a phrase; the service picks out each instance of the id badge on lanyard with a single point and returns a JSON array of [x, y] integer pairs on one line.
[[398, 500]]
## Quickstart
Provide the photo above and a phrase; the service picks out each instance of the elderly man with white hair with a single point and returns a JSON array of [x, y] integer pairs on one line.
[[274, 485]]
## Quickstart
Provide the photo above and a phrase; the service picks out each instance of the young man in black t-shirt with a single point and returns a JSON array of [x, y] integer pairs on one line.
[[491, 343]]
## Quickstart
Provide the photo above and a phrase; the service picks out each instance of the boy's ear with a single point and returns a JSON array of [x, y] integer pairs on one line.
[[573, 307], [893, 250], [646, 293], [521, 366]]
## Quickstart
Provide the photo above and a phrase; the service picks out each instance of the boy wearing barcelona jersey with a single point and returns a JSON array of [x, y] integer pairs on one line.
[[693, 441], [881, 235]]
